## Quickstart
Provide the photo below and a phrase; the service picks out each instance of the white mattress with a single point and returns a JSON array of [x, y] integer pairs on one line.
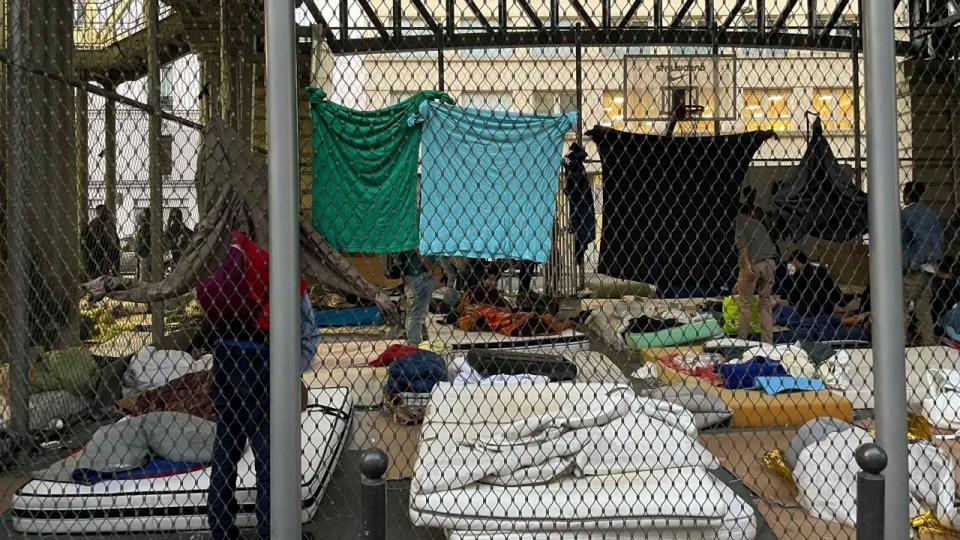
[[179, 502], [918, 361], [687, 498], [739, 523], [664, 499]]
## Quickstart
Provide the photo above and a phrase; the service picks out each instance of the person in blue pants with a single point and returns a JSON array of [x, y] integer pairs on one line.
[[241, 401]]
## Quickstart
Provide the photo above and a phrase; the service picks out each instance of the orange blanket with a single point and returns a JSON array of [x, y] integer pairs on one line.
[[507, 323]]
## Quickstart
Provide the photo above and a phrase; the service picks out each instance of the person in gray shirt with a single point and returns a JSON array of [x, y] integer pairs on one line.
[[758, 264]]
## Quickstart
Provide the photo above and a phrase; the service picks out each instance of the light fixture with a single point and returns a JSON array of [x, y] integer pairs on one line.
[[827, 98], [751, 107], [775, 97], [618, 99]]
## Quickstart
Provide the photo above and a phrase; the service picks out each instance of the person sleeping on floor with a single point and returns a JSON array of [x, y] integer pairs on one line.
[[484, 308]]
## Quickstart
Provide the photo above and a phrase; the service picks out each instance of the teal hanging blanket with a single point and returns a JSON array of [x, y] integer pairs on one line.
[[365, 174]]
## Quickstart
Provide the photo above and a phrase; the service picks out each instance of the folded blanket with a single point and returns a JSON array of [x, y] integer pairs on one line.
[[618, 434], [744, 375]]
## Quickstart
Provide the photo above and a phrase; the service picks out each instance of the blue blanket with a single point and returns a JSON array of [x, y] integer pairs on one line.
[[357, 316], [819, 328], [489, 182], [418, 372], [744, 375], [156, 467]]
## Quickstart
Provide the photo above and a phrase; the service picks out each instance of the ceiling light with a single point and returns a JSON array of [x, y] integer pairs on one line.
[[775, 98], [618, 99], [827, 98]]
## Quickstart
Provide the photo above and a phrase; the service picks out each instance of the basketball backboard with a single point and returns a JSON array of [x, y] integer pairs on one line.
[[655, 85]]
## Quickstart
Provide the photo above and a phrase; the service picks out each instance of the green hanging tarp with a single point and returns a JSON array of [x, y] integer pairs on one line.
[[365, 174]]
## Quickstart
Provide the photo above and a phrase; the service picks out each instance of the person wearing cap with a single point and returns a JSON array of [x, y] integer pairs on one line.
[[758, 265], [922, 243]]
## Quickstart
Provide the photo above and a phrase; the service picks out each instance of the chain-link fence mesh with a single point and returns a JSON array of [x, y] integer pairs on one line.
[[580, 269]]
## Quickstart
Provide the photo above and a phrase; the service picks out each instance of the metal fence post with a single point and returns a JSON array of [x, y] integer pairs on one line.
[[283, 194], [886, 279], [373, 494], [872, 460]]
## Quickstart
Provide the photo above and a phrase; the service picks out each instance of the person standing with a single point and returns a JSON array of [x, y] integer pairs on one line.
[[583, 219], [758, 264], [236, 301], [101, 245], [177, 235], [922, 238], [418, 283], [141, 244]]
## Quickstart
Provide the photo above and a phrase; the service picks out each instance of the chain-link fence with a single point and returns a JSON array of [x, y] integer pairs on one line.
[[578, 269]]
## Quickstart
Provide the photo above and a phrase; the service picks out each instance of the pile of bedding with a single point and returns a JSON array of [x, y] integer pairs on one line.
[[564, 461], [822, 454], [151, 367], [740, 364]]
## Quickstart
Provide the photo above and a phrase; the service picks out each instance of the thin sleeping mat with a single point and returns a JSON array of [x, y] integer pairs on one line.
[[739, 523], [678, 335], [355, 316], [567, 341], [688, 498], [179, 502]]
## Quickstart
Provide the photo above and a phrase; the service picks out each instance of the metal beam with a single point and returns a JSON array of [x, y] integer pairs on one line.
[[503, 16], [781, 21], [475, 9], [595, 38], [732, 16], [427, 16], [628, 16], [834, 18], [344, 15], [761, 17], [681, 13], [531, 14], [374, 18], [606, 14], [554, 14], [583, 13], [319, 19], [450, 18], [812, 20], [658, 15]]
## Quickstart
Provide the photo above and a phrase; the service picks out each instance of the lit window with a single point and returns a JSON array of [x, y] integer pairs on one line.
[[835, 107], [768, 108], [554, 102], [613, 108]]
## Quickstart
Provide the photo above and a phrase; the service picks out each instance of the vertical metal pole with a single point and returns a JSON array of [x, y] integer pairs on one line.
[[284, 182], [761, 15], [110, 154], [451, 21], [857, 141], [812, 18], [870, 485], [555, 15], [397, 20], [17, 249], [344, 22], [83, 167], [503, 16], [373, 494], [152, 12], [579, 76], [605, 15], [886, 279], [658, 15]]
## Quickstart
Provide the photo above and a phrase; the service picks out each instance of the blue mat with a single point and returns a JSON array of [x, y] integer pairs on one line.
[[358, 316], [156, 467]]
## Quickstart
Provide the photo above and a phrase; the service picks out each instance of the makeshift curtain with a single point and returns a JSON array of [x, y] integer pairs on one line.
[[822, 201], [490, 182], [669, 205], [365, 174]]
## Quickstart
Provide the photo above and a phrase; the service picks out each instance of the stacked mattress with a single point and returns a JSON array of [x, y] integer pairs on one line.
[[650, 480], [179, 502]]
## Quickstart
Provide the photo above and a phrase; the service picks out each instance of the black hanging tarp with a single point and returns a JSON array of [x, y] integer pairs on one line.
[[822, 200], [669, 205]]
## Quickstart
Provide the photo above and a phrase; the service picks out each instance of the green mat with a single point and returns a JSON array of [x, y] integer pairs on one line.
[[678, 335]]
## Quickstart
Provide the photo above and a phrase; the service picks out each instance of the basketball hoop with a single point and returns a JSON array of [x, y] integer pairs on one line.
[[685, 112]]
